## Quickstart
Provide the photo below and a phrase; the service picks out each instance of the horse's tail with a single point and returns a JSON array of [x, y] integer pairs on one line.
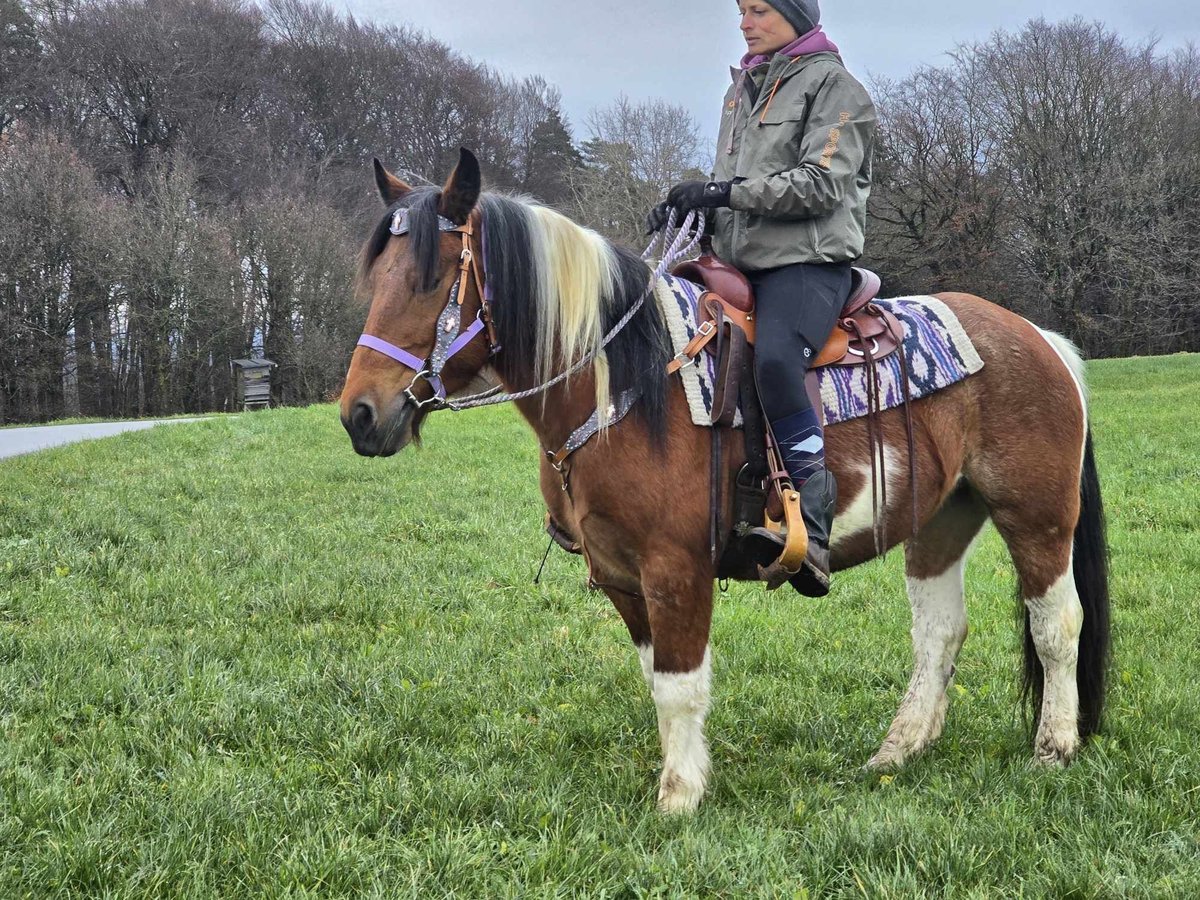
[[1090, 570]]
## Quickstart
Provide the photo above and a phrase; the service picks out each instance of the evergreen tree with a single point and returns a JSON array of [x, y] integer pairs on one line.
[[19, 50], [552, 159]]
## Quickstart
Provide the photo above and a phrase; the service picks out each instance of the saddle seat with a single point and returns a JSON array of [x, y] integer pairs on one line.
[[861, 327]]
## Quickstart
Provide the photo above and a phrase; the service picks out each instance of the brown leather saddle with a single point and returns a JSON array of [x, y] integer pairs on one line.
[[863, 329]]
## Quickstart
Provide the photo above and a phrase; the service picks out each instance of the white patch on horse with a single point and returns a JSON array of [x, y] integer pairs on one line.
[[858, 514], [682, 700], [1069, 354], [1056, 620], [646, 656], [939, 629]]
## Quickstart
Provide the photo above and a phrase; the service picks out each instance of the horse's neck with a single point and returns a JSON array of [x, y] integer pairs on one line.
[[563, 408]]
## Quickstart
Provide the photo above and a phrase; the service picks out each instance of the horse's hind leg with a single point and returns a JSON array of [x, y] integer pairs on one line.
[[1041, 545], [934, 562]]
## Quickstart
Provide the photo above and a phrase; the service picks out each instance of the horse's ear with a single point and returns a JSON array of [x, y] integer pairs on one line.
[[391, 188], [461, 192]]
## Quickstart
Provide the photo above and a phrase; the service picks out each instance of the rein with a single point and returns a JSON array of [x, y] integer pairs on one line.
[[450, 340]]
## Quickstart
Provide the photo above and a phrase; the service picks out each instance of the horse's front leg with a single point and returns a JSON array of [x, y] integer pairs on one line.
[[632, 608], [678, 594]]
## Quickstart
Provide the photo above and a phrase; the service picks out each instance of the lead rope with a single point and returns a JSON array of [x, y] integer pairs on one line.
[[679, 247]]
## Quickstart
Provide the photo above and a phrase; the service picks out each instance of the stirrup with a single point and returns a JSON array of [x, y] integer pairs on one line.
[[765, 546]]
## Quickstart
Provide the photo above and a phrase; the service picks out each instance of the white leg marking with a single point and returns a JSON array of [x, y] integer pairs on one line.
[[938, 631], [646, 657], [857, 516], [1056, 620], [682, 701]]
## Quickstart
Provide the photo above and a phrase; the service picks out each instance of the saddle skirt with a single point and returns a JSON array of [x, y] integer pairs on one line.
[[939, 354]]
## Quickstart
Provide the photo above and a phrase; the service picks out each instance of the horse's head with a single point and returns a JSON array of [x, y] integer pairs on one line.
[[418, 269]]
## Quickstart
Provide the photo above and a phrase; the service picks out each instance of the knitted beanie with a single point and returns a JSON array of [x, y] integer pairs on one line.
[[803, 15]]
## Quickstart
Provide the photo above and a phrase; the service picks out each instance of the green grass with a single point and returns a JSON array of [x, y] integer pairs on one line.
[[238, 660]]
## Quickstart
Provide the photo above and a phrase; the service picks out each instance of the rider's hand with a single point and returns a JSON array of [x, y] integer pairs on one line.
[[686, 196], [657, 217], [689, 195]]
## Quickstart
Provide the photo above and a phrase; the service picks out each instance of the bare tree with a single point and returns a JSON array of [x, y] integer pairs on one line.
[[56, 235], [635, 153]]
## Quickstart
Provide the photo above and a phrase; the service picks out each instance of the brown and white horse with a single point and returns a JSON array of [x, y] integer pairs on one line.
[[1010, 443]]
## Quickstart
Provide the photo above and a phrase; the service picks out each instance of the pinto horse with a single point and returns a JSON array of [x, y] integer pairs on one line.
[[1010, 443]]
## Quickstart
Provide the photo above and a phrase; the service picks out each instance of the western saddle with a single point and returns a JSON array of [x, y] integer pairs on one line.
[[864, 334]]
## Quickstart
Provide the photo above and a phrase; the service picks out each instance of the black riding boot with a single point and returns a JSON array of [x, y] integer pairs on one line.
[[818, 500]]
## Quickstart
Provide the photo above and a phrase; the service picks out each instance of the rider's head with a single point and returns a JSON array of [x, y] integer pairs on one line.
[[769, 27]]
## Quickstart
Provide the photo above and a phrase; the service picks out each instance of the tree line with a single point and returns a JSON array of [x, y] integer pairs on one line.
[[185, 182]]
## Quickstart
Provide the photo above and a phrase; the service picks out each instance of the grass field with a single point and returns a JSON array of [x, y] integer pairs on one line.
[[238, 660]]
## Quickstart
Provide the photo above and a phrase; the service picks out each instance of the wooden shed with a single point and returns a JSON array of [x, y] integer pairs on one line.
[[252, 378]]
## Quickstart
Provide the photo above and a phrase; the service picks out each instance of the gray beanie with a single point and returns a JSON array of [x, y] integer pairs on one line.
[[804, 15]]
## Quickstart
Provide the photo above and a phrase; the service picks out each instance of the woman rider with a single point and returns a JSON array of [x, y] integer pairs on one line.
[[790, 186]]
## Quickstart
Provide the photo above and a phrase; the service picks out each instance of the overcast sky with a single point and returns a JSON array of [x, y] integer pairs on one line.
[[680, 50]]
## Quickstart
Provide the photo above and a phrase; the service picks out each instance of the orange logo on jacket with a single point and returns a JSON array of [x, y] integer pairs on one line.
[[831, 145]]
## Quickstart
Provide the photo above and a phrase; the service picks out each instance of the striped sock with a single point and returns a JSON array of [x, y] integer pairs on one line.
[[801, 444]]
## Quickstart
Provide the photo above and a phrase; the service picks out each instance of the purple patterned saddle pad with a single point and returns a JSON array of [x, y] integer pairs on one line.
[[938, 350]]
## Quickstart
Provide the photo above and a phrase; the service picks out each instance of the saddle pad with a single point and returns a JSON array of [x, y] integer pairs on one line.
[[938, 350]]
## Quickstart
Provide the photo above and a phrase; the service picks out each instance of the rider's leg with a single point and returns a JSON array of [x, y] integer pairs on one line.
[[796, 308]]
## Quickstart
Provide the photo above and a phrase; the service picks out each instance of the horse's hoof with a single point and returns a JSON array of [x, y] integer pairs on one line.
[[1055, 750], [1049, 757], [677, 797], [886, 760]]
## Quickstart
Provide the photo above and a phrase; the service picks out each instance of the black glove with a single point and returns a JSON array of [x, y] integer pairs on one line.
[[686, 196]]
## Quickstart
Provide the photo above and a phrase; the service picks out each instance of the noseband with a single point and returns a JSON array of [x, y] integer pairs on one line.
[[449, 339]]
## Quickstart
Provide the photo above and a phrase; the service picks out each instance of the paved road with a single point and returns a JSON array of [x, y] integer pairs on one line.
[[15, 441]]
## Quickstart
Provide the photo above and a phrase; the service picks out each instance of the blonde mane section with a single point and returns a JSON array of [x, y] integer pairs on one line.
[[577, 274]]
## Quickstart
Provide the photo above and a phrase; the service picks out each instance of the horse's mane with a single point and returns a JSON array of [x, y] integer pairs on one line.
[[557, 289]]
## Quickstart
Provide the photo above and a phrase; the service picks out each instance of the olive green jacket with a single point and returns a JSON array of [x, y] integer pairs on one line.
[[799, 157]]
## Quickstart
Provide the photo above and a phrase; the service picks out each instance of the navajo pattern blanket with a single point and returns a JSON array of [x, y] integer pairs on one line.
[[938, 350]]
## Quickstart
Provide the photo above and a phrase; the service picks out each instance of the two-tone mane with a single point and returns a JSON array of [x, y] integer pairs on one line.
[[557, 289]]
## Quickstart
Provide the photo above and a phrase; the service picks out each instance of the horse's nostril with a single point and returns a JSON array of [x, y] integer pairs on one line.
[[362, 418]]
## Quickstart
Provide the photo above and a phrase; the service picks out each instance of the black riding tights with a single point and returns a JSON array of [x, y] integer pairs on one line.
[[796, 308]]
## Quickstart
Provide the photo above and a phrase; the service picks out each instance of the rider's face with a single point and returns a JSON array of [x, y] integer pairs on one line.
[[765, 30]]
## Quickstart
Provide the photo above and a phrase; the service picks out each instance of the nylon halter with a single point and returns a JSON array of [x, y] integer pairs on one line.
[[449, 338]]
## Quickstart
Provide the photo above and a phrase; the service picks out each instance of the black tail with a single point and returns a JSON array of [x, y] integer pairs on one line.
[[1091, 583]]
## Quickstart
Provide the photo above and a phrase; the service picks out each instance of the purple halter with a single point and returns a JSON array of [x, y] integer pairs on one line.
[[449, 340]]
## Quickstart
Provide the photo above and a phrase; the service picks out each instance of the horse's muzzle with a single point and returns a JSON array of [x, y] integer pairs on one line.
[[379, 434]]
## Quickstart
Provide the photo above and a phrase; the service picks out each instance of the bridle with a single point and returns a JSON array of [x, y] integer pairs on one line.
[[449, 339], [673, 242]]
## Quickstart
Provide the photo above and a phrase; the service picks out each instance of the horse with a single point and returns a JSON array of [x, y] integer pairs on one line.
[[1011, 443]]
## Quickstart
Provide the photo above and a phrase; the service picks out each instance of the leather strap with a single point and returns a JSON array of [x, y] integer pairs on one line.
[[733, 350], [588, 429], [795, 547], [706, 332]]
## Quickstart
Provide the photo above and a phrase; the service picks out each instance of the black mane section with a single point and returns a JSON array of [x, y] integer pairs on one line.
[[512, 277], [637, 356], [422, 204]]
